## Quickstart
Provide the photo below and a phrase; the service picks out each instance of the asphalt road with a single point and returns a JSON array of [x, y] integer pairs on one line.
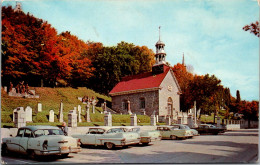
[[231, 147]]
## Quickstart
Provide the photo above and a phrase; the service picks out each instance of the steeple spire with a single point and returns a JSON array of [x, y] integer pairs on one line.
[[160, 53], [159, 33], [183, 63]]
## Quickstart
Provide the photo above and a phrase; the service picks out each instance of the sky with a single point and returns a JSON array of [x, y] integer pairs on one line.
[[208, 32]]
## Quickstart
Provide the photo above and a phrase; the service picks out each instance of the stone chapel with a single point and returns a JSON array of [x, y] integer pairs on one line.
[[156, 92]]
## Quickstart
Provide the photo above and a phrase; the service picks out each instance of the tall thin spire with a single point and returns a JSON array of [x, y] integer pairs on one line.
[[183, 62], [159, 33]]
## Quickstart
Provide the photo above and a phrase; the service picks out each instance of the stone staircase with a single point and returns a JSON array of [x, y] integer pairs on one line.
[[111, 111]]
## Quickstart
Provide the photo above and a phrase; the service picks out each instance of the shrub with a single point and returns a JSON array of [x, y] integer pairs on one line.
[[40, 118]]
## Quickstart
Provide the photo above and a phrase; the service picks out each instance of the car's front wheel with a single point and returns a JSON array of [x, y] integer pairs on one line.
[[173, 137], [109, 145], [32, 155], [145, 144], [4, 150], [65, 155]]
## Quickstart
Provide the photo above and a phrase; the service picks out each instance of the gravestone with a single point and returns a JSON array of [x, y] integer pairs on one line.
[[39, 109], [87, 115], [168, 120], [19, 117], [15, 110], [129, 108], [94, 102], [28, 112], [79, 114], [179, 120], [61, 112], [108, 119], [5, 88], [190, 121], [133, 120], [218, 121], [51, 116], [72, 118], [153, 120]]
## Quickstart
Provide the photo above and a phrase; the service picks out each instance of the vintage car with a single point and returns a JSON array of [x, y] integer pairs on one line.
[[40, 140], [173, 132], [209, 129], [146, 136], [108, 136], [185, 127]]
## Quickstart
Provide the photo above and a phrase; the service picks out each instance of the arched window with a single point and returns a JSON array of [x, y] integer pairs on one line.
[[124, 105], [169, 104], [142, 103]]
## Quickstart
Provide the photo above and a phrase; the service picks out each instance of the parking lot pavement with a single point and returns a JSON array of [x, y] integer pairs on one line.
[[231, 147]]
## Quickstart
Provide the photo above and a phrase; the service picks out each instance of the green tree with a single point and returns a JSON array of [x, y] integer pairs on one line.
[[205, 91]]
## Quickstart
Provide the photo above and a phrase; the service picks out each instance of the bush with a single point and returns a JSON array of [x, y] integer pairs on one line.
[[6, 118], [40, 118]]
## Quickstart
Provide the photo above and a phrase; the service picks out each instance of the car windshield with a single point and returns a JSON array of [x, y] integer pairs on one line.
[[41, 132], [134, 130], [174, 127], [186, 127], [115, 130]]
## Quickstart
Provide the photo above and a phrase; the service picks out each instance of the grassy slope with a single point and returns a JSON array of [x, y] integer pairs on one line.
[[50, 99]]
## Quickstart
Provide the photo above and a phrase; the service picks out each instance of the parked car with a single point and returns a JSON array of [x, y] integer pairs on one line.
[[209, 129], [40, 140], [173, 132], [146, 136], [108, 136], [185, 127]]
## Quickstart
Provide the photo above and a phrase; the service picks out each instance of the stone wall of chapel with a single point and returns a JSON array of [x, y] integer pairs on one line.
[[165, 93], [151, 102]]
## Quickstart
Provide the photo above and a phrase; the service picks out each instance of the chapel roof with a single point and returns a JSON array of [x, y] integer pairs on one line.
[[141, 81]]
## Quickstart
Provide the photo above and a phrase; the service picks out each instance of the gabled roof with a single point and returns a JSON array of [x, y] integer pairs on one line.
[[144, 81]]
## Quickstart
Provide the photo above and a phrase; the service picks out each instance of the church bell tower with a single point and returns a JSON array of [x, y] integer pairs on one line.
[[160, 56]]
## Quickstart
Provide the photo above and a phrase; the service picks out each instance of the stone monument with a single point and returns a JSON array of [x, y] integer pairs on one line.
[[51, 116], [28, 112], [108, 119], [133, 120]]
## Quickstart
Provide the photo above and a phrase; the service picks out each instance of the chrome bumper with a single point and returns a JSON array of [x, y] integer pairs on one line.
[[61, 150]]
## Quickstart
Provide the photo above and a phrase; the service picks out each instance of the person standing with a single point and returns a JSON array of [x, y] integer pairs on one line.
[[64, 128]]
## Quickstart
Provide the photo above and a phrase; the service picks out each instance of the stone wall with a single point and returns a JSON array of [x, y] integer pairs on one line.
[[151, 102], [169, 89]]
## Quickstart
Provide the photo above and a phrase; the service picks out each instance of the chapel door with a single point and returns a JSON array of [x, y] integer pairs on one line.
[[169, 105]]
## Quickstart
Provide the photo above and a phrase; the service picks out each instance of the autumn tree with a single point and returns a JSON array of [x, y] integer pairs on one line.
[[238, 97], [73, 52], [253, 28], [184, 79], [249, 110], [28, 47]]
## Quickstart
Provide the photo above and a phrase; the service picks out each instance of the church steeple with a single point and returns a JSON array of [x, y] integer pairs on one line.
[[160, 53], [183, 63]]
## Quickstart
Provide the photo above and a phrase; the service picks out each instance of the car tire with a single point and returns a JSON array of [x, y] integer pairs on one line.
[[109, 145], [65, 155], [173, 137], [145, 144], [4, 150], [32, 155]]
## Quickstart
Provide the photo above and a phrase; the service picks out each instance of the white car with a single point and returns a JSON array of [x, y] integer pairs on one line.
[[185, 127], [145, 135], [40, 140], [108, 136]]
